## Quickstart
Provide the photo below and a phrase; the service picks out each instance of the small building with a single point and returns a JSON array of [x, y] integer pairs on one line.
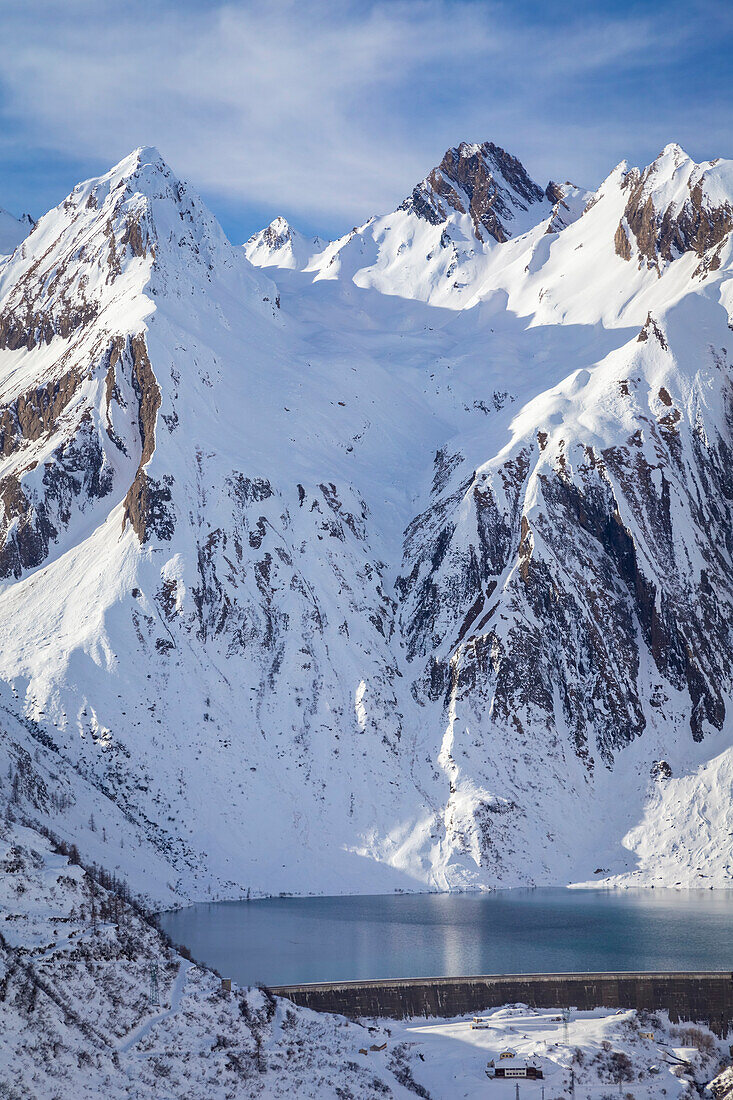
[[480, 1023], [527, 1071]]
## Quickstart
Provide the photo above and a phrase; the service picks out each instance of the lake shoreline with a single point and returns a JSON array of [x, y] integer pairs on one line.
[[285, 941], [470, 891]]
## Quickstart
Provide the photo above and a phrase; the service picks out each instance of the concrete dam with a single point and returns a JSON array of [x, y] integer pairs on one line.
[[699, 997]]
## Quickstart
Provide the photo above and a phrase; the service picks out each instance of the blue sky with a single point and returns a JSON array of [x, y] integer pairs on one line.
[[328, 111]]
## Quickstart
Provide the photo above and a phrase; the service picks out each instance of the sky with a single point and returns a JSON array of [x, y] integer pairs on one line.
[[329, 111]]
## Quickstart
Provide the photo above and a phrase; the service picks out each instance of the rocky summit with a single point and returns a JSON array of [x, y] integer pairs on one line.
[[401, 561]]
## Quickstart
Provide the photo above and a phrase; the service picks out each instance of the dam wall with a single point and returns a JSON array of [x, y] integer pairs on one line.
[[703, 997]]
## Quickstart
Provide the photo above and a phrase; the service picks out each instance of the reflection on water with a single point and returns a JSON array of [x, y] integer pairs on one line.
[[287, 940]]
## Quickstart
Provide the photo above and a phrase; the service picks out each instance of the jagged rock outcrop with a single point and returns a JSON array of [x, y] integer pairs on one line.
[[279, 245], [483, 181], [676, 206], [568, 203], [147, 501]]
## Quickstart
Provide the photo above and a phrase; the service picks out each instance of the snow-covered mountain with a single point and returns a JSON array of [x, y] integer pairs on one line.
[[436, 244], [279, 245], [382, 568]]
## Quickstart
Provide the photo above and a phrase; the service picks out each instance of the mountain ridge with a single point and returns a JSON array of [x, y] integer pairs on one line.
[[371, 571]]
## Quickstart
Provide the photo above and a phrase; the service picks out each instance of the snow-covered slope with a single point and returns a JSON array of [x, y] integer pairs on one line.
[[384, 574], [436, 245], [279, 245]]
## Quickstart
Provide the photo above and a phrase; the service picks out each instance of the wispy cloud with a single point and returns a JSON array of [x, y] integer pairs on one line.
[[329, 110]]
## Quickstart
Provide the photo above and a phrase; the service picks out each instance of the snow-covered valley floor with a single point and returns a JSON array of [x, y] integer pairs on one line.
[[77, 1022]]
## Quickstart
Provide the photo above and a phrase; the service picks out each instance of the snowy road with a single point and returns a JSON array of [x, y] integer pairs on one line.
[[143, 1029]]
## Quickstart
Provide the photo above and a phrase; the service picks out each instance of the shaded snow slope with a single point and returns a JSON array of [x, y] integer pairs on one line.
[[348, 581]]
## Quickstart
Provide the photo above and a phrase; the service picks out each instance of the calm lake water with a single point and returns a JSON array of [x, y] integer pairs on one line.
[[288, 940]]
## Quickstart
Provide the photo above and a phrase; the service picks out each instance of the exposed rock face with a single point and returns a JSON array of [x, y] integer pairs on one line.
[[481, 180], [536, 594], [651, 328], [413, 588], [36, 412], [568, 203], [674, 206], [27, 530], [147, 501], [277, 234], [32, 513], [279, 245]]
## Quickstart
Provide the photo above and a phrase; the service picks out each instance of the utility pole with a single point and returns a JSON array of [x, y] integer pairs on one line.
[[516, 1094], [154, 994]]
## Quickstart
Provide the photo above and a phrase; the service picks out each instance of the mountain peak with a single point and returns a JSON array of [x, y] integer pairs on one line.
[[134, 219], [677, 206], [279, 245], [146, 157], [277, 233], [280, 223], [482, 181], [142, 171], [143, 190], [672, 149]]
